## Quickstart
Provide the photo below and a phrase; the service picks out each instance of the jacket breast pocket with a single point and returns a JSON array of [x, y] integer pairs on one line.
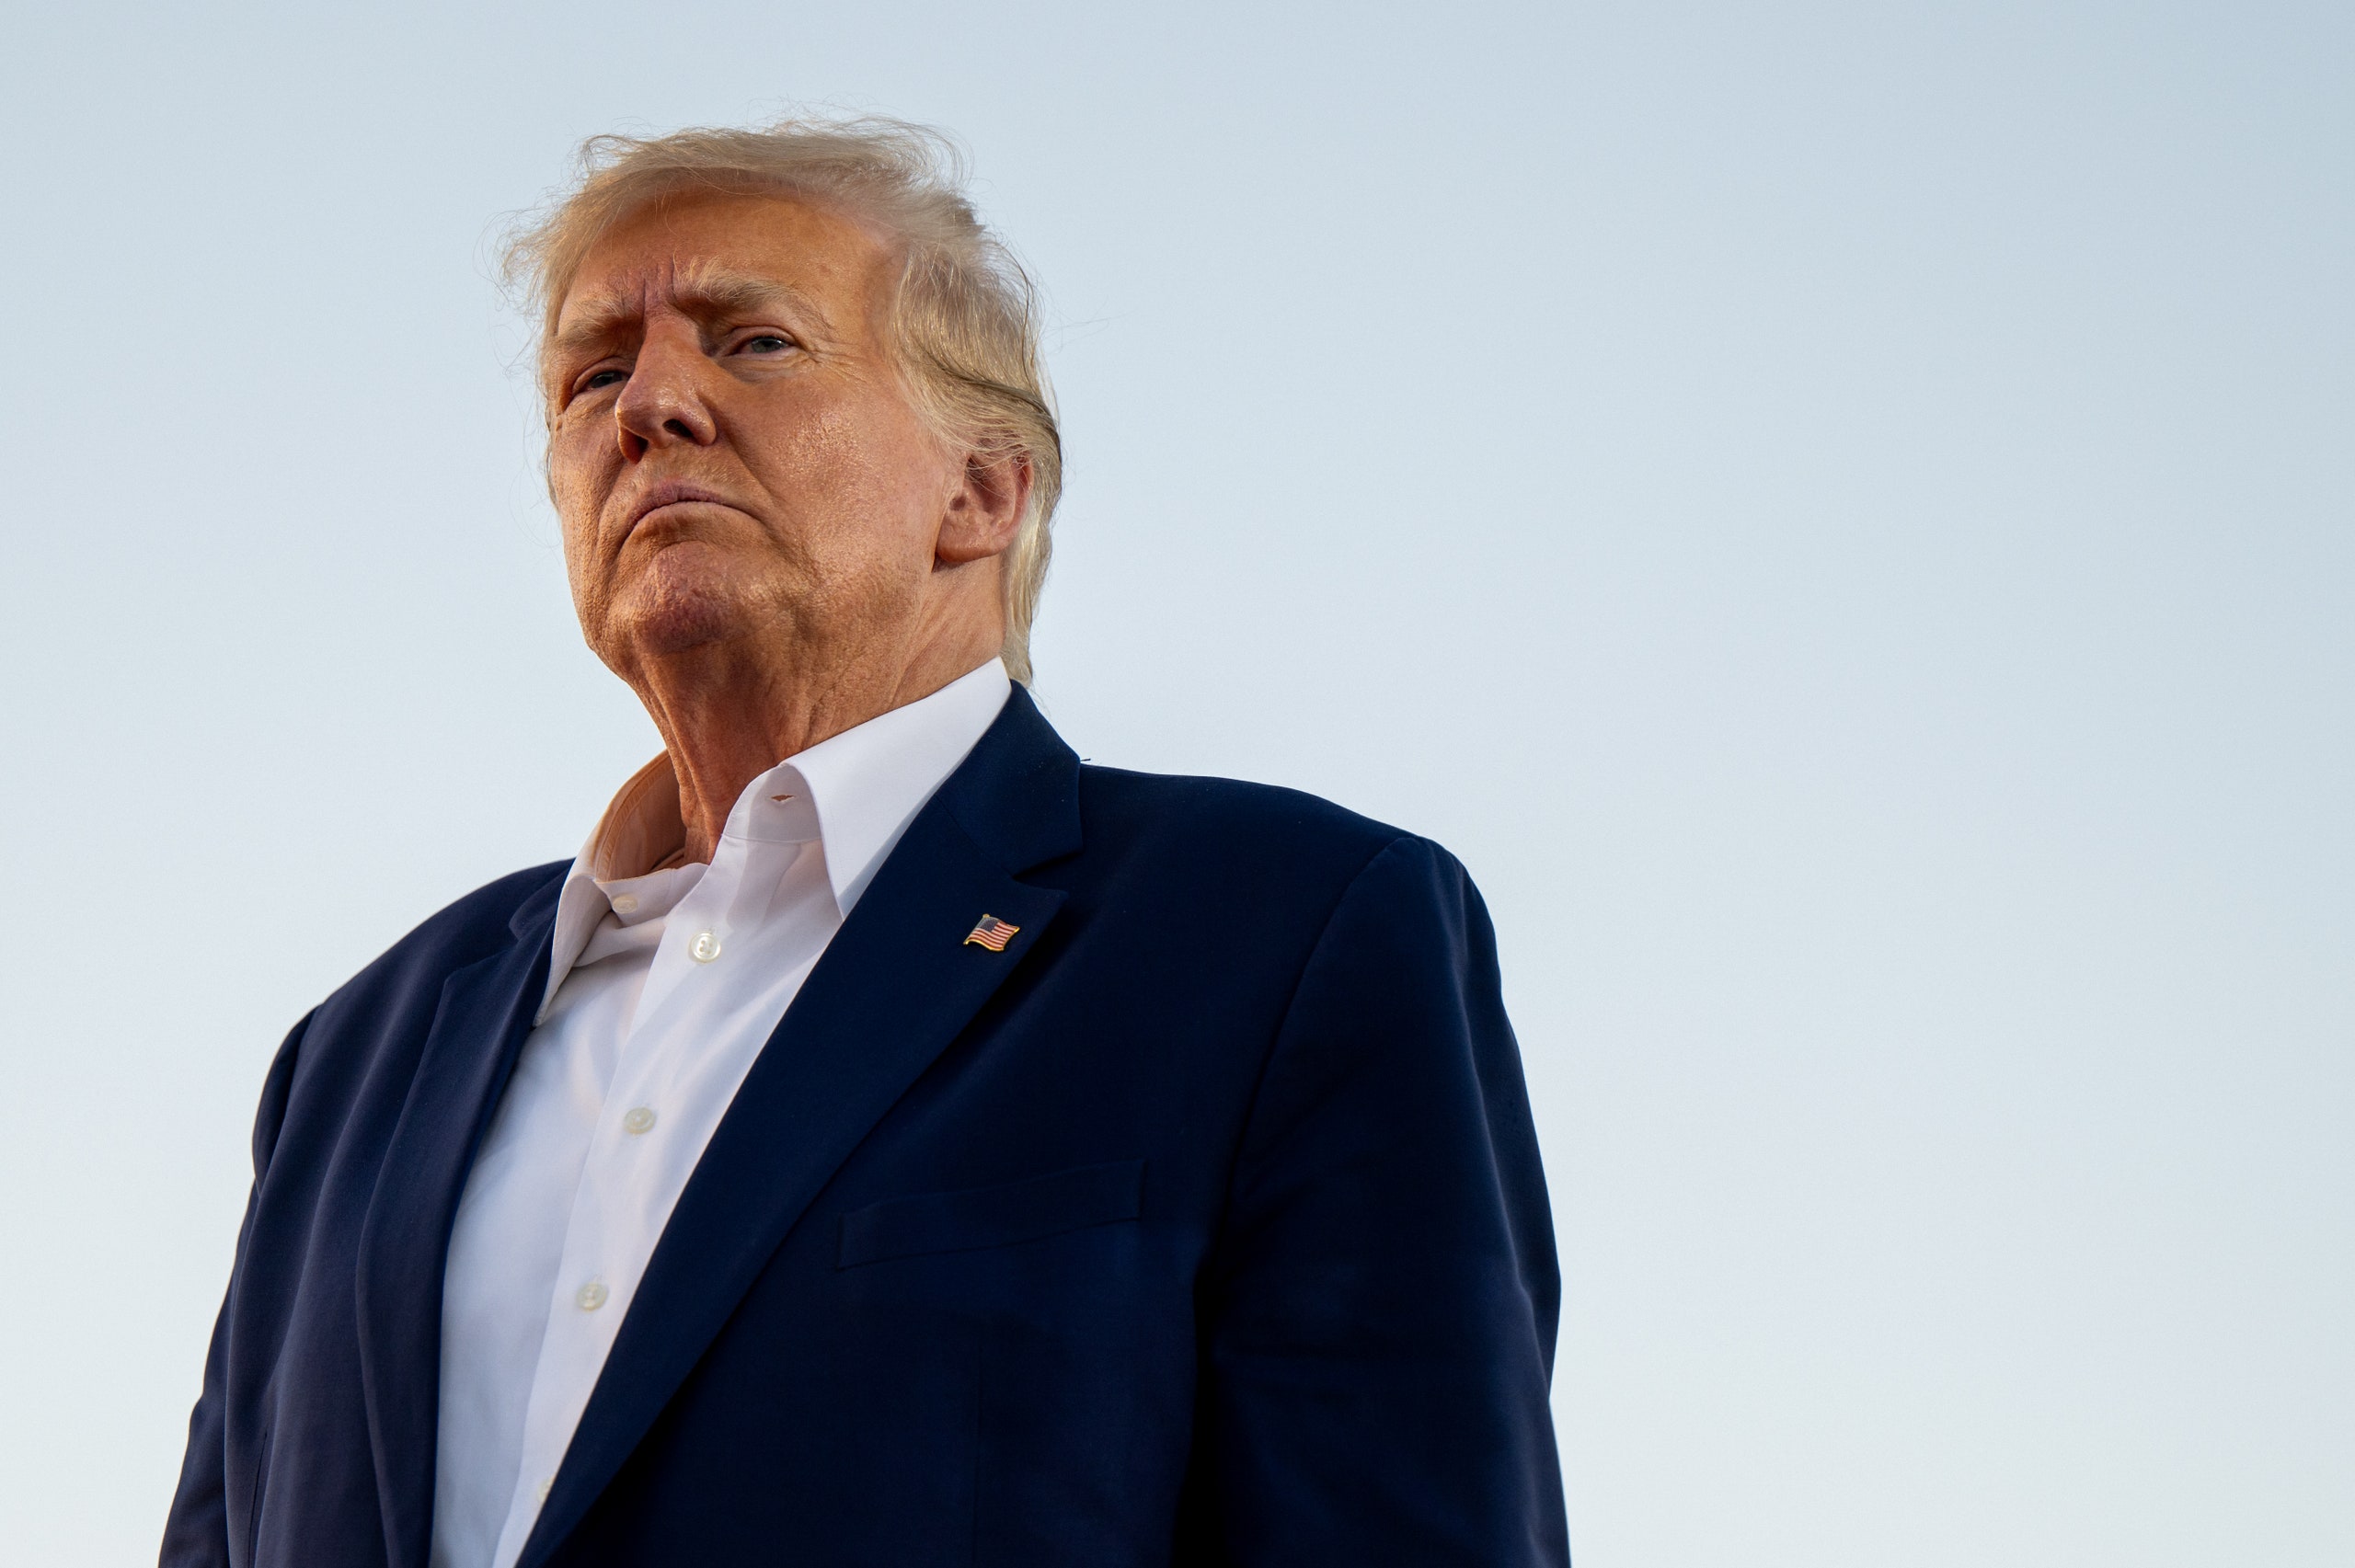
[[994, 1216]]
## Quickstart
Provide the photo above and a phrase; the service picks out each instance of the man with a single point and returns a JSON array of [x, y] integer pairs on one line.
[[890, 1141]]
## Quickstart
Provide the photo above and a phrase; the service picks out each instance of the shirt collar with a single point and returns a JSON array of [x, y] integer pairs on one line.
[[868, 782], [865, 786]]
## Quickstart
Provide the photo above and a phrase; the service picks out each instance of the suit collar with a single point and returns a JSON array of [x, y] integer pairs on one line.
[[538, 911], [1018, 794], [855, 792], [868, 782]]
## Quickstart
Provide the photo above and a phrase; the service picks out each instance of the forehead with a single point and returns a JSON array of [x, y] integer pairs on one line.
[[669, 252]]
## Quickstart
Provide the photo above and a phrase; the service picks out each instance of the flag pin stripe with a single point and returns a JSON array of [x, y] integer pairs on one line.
[[991, 933]]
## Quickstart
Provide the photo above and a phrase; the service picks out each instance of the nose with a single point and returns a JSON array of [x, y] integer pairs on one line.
[[662, 404]]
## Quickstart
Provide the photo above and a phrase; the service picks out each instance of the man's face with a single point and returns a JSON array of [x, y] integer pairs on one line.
[[730, 450]]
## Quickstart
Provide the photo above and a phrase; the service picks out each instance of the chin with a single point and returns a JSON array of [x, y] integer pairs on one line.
[[672, 610]]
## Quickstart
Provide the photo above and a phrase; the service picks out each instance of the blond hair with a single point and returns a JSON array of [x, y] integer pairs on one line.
[[964, 319]]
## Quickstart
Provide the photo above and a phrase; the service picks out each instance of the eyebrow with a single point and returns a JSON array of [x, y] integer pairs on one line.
[[705, 293]]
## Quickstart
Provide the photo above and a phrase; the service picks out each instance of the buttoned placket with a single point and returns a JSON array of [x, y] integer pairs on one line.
[[768, 863]]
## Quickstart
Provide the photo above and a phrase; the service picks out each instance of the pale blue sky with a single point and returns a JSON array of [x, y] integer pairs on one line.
[[1840, 514]]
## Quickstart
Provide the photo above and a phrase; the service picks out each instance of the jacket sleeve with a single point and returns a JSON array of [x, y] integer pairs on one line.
[[1379, 1313], [196, 1532]]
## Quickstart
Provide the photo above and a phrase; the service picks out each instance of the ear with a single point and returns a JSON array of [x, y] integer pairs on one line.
[[986, 510]]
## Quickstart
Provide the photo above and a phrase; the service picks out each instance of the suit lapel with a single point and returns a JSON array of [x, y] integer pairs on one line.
[[486, 1009], [896, 986]]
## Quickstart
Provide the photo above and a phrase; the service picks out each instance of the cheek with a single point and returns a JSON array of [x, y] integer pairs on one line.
[[580, 475], [566, 458], [577, 488], [865, 456]]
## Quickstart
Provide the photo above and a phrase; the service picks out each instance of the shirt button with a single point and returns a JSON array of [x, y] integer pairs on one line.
[[627, 904], [706, 948], [638, 1120], [592, 1296]]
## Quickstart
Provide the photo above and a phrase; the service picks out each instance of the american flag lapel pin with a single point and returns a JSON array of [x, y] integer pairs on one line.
[[991, 933]]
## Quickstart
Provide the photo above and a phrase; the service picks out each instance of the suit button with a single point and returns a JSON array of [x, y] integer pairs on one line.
[[592, 1296], [706, 947], [638, 1120]]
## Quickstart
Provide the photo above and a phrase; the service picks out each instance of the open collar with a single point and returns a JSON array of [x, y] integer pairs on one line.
[[864, 785]]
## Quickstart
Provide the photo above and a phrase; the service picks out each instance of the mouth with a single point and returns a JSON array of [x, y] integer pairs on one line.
[[670, 493]]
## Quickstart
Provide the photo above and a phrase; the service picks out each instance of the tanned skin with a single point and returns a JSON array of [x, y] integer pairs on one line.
[[764, 538]]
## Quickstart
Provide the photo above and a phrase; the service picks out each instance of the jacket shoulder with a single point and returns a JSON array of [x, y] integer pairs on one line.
[[466, 929], [1286, 833], [486, 918]]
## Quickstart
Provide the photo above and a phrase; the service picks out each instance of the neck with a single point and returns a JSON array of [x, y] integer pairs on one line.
[[727, 714]]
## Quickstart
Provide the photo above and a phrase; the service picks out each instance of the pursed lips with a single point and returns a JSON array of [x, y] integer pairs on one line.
[[671, 493]]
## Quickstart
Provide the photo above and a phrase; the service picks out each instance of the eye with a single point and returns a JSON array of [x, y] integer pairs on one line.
[[765, 343], [597, 381]]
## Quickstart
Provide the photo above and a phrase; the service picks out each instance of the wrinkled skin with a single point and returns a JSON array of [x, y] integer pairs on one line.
[[764, 539]]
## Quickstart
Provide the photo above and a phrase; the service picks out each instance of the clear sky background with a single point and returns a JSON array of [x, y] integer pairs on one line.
[[1839, 513]]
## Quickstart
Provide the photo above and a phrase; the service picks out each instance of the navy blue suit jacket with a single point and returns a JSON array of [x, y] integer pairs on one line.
[[1202, 1224]]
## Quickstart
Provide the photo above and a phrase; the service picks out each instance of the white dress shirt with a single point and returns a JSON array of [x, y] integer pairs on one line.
[[663, 987]]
